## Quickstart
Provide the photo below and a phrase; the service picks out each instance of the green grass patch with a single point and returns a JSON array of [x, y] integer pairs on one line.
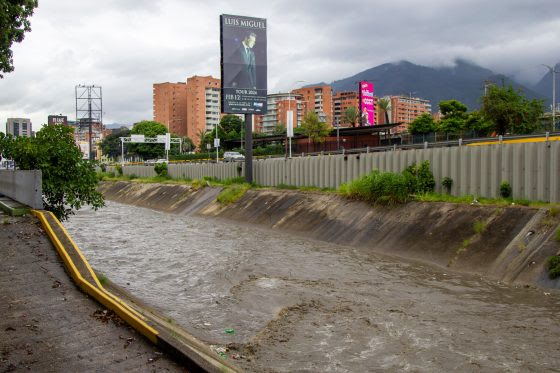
[[102, 279], [6, 221], [384, 188], [553, 266], [479, 226], [232, 193], [554, 211], [466, 242], [557, 235]]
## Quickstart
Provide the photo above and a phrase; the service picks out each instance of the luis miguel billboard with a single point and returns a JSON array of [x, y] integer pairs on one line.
[[243, 64], [367, 108]]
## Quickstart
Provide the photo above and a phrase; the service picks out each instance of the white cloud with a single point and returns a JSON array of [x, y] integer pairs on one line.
[[125, 46]]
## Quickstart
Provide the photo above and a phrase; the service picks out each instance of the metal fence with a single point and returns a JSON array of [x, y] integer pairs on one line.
[[532, 169]]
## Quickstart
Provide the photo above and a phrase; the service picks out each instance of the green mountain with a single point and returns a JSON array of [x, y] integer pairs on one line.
[[464, 82]]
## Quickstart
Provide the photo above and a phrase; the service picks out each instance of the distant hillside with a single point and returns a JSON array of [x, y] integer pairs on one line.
[[464, 82], [544, 86]]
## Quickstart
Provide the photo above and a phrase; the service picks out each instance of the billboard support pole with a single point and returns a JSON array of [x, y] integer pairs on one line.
[[248, 148]]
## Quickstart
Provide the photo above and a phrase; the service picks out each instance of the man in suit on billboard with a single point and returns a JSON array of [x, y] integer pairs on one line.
[[244, 56]]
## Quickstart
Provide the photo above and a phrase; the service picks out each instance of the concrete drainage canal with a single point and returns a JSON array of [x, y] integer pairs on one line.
[[270, 301]]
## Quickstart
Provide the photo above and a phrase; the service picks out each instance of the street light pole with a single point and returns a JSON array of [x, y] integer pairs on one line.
[[553, 71], [292, 115]]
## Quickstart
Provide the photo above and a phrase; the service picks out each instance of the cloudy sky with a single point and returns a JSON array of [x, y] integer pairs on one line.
[[127, 45]]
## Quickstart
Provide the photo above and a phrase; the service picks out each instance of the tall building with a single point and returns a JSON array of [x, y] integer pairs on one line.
[[278, 105], [170, 106], [318, 99], [203, 105], [19, 127], [405, 109], [341, 102]]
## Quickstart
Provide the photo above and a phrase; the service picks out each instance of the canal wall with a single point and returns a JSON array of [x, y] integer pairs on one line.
[[532, 169], [510, 244], [23, 186]]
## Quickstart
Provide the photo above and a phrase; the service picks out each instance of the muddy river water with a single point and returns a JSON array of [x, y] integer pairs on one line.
[[302, 305]]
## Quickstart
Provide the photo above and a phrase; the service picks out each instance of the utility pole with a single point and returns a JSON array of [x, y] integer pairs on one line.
[[553, 71]]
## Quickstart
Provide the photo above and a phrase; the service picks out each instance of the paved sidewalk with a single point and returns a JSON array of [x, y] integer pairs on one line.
[[47, 324]]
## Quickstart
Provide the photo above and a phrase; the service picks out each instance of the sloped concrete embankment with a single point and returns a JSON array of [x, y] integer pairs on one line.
[[510, 244]]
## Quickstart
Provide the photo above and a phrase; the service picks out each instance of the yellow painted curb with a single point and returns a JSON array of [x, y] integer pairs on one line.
[[99, 294]]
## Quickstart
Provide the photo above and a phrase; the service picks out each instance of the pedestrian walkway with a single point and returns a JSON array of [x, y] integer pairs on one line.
[[48, 324]]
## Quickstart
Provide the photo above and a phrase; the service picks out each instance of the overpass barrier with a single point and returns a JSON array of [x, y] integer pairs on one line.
[[532, 169], [23, 186]]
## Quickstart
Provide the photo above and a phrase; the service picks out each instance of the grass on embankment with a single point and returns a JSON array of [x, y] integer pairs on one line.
[[378, 189]]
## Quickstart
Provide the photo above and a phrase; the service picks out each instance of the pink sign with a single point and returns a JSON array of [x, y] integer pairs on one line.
[[367, 108]]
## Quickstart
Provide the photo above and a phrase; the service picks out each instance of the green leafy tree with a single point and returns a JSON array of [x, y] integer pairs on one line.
[[454, 114], [350, 116], [14, 22], [111, 145], [478, 123], [148, 128], [422, 125], [313, 128], [69, 182], [510, 111], [231, 125]]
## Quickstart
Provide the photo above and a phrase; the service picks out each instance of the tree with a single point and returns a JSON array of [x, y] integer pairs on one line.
[[477, 123], [384, 104], [313, 128], [350, 116], [279, 129], [231, 124], [453, 116], [148, 128], [14, 22], [452, 109], [510, 111], [111, 145], [422, 125], [69, 182]]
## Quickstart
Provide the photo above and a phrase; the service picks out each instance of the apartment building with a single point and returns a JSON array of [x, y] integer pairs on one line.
[[170, 106], [342, 101], [318, 99], [19, 127], [203, 105], [405, 109], [278, 105]]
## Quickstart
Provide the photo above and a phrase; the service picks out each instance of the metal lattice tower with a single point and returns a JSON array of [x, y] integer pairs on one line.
[[89, 110]]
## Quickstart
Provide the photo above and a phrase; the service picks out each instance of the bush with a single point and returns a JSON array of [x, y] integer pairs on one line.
[[447, 183], [161, 169], [505, 189], [119, 169], [553, 266], [232, 193], [419, 179], [378, 187]]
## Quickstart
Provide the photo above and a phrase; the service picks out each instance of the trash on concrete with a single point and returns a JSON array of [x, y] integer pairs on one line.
[[230, 331]]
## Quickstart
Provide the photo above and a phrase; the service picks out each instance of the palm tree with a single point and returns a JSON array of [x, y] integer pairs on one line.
[[350, 116], [385, 105]]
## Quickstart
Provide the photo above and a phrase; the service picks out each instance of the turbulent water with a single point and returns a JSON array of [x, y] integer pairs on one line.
[[309, 306]]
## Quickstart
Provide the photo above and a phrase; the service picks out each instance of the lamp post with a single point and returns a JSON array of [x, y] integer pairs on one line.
[[289, 115], [553, 71]]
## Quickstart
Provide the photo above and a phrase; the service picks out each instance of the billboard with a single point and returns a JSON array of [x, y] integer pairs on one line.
[[243, 64], [57, 119], [367, 108]]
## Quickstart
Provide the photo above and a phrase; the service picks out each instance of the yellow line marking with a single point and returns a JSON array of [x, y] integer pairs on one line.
[[517, 141], [96, 293]]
